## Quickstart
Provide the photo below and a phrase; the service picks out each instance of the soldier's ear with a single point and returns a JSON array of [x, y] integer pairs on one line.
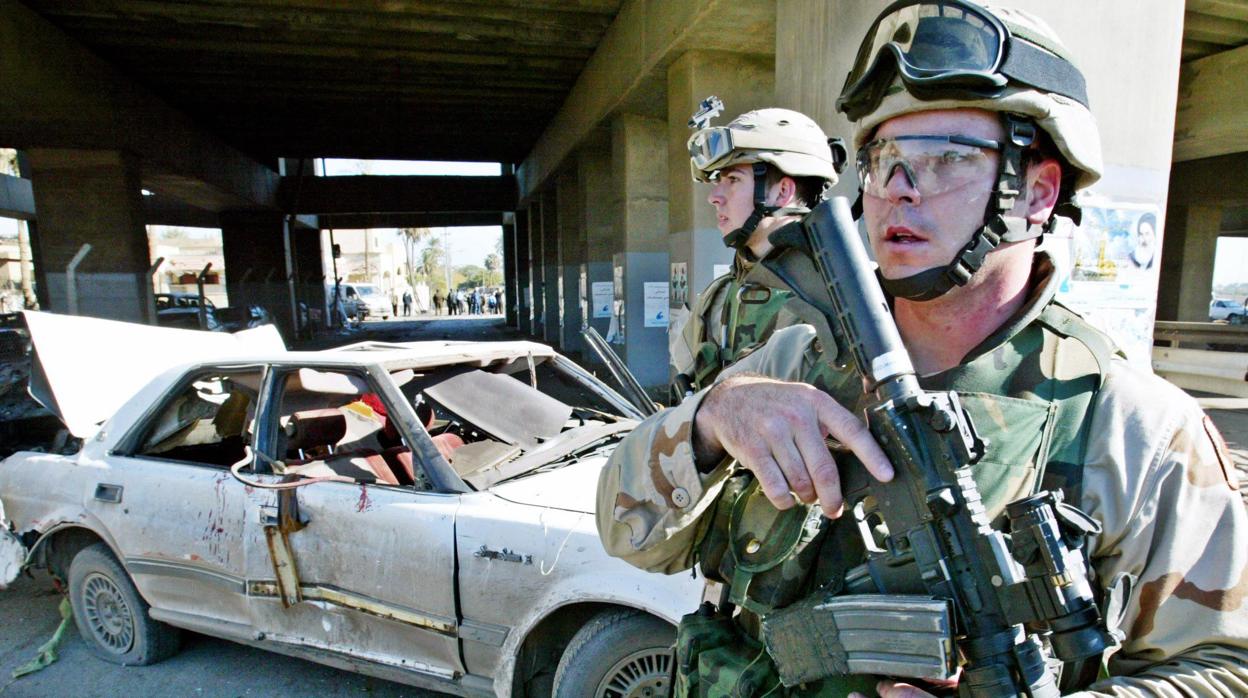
[[785, 192]]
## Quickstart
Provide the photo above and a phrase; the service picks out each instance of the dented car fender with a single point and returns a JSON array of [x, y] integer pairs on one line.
[[45, 495]]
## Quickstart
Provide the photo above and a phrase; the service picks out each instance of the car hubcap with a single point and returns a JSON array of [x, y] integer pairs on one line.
[[107, 613], [642, 674]]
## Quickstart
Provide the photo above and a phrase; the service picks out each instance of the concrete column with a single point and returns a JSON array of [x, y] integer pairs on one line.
[[743, 82], [310, 270], [94, 197], [254, 247], [510, 274], [1187, 262], [572, 258], [595, 189], [524, 275], [537, 258], [552, 269], [639, 157]]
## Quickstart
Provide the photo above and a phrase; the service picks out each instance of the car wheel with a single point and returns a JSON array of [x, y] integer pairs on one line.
[[111, 616], [618, 654]]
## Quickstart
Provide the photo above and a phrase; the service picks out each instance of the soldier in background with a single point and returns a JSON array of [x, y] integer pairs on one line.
[[966, 159], [766, 167]]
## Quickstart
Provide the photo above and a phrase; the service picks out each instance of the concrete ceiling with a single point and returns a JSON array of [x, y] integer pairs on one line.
[[1214, 26], [402, 79]]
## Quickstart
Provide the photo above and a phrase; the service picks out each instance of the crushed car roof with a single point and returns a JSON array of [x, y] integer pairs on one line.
[[85, 369]]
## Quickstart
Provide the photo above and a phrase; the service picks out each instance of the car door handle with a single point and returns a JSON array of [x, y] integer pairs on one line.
[[108, 493], [267, 515]]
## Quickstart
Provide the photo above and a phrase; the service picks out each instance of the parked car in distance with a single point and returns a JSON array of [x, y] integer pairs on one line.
[[371, 300], [1225, 309], [420, 512], [243, 317], [181, 310]]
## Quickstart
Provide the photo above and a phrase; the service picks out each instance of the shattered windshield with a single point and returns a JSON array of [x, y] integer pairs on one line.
[[507, 420]]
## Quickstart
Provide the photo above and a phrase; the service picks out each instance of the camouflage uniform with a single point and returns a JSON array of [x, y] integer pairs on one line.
[[1154, 472], [733, 316]]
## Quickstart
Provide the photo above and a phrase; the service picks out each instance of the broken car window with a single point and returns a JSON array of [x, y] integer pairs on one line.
[[332, 423], [208, 422]]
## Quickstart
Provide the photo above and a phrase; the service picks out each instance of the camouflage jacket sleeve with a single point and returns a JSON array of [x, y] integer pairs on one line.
[[651, 498], [1160, 480], [704, 323]]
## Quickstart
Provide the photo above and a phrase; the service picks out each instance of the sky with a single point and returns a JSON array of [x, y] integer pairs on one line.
[[1230, 264]]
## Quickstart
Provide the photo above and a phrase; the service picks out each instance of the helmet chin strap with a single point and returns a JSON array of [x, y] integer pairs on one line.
[[998, 225], [739, 238]]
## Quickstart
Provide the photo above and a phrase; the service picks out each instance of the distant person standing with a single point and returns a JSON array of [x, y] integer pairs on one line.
[[394, 302], [498, 300], [407, 303], [437, 303]]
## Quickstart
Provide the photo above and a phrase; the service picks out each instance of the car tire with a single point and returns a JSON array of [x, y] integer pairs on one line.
[[111, 616], [617, 653]]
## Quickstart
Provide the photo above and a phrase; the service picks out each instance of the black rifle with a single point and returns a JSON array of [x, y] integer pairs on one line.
[[926, 531]]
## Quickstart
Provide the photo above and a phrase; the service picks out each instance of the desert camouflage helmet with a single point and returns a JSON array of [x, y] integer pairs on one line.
[[1068, 122], [788, 140]]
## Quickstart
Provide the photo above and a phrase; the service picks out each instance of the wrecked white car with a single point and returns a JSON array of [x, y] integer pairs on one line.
[[419, 512]]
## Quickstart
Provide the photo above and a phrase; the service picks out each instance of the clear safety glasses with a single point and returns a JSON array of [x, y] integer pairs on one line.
[[949, 49], [932, 164]]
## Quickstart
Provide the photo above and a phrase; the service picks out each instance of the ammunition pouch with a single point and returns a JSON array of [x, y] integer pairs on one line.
[[715, 659]]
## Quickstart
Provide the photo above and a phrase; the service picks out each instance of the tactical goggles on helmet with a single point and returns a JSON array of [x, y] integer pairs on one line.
[[932, 164], [949, 49], [711, 149]]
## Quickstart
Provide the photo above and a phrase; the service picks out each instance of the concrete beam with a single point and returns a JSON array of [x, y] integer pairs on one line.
[[16, 198], [409, 219], [1216, 180], [54, 93], [1210, 119], [165, 210], [397, 194], [628, 71]]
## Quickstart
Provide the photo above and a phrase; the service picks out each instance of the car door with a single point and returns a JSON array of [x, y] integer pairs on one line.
[[166, 496], [373, 564]]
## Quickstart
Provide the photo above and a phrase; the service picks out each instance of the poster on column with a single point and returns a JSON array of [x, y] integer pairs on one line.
[[603, 295], [680, 284], [1109, 267], [655, 305]]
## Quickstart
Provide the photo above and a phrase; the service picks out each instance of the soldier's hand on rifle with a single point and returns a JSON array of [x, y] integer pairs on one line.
[[776, 429]]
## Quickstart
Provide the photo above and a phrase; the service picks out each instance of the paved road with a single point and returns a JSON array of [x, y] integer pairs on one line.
[[205, 667], [216, 668]]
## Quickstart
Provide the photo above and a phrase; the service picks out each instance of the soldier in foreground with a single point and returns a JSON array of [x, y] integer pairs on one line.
[[767, 168], [972, 134]]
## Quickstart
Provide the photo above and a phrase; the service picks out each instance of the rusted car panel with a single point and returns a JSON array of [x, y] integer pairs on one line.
[[438, 577]]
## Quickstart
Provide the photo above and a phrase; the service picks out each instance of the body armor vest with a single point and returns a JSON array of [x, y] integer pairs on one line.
[[1031, 398]]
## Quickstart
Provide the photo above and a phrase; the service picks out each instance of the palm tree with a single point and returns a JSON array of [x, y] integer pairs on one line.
[[493, 262], [431, 259], [412, 237]]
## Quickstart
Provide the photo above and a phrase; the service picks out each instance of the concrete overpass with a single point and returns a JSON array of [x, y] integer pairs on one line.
[[218, 108]]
